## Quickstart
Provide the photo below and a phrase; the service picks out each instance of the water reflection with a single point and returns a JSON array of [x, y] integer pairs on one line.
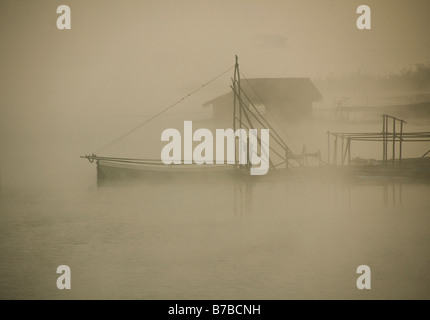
[[393, 194], [243, 198], [325, 195]]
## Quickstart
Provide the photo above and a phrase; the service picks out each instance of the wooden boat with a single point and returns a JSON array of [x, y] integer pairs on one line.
[[243, 110], [119, 169]]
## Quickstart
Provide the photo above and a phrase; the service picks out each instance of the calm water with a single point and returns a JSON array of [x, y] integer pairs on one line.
[[290, 239]]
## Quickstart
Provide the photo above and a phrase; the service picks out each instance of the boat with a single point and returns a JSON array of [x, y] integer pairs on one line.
[[244, 115]]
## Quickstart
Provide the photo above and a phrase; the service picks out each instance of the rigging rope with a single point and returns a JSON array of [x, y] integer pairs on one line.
[[110, 144], [268, 110]]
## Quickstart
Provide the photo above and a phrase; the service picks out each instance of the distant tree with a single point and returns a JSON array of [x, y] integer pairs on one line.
[[416, 78]]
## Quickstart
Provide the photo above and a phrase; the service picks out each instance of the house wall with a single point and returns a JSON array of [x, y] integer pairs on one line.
[[286, 110]]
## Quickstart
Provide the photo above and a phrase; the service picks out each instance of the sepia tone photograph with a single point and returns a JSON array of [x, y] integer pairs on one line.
[[214, 150]]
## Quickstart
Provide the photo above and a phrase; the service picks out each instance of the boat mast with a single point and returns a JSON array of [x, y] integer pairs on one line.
[[236, 68], [237, 103]]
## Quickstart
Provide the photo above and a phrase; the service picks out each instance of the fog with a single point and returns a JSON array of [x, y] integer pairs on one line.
[[67, 93], [60, 90]]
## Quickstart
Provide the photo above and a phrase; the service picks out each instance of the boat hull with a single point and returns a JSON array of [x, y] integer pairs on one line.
[[111, 170]]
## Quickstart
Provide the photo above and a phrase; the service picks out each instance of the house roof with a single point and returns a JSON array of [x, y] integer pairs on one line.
[[269, 89]]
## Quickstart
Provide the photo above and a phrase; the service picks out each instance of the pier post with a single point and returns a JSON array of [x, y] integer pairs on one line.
[[383, 139], [394, 140], [349, 151], [335, 151], [401, 143], [343, 148], [386, 139]]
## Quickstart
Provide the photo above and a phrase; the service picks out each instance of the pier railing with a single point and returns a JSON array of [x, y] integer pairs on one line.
[[339, 143]]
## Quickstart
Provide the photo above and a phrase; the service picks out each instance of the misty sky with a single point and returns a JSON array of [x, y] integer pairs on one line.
[[123, 44], [131, 56]]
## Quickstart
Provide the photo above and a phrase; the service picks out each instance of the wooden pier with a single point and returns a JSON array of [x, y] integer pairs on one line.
[[392, 137]]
